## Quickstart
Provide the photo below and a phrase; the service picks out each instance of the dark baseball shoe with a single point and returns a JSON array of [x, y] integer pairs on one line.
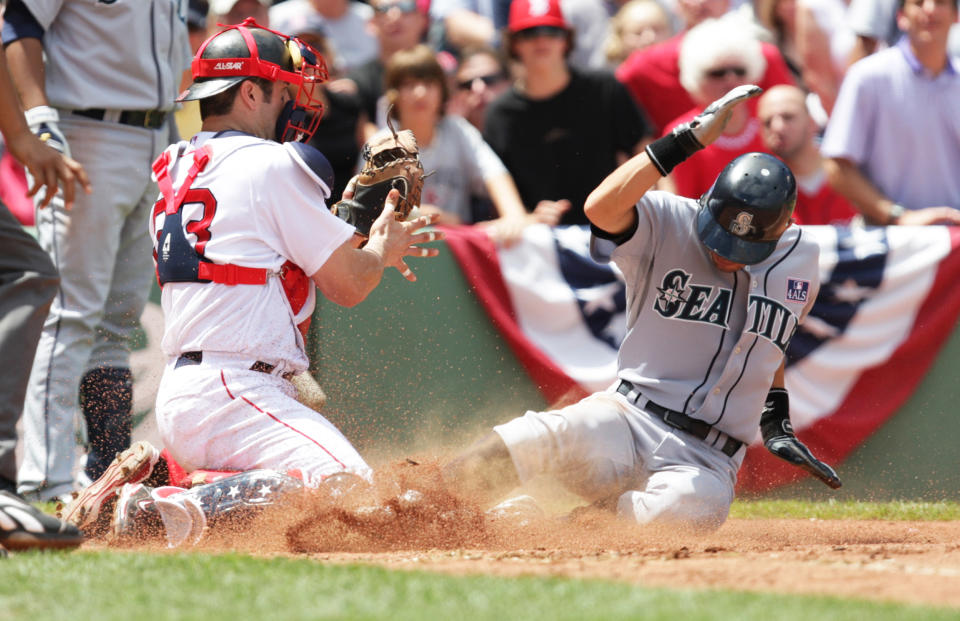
[[92, 508], [24, 526]]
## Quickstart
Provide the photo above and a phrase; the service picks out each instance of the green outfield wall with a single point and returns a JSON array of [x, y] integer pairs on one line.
[[418, 366]]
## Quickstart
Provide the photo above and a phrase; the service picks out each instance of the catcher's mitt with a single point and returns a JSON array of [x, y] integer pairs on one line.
[[391, 159]]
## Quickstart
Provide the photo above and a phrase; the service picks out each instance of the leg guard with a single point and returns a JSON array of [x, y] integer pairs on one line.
[[242, 495], [106, 397]]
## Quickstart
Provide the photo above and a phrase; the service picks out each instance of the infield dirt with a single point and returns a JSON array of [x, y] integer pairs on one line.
[[435, 530]]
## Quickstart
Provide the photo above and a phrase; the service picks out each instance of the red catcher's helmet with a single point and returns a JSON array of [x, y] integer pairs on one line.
[[248, 50]]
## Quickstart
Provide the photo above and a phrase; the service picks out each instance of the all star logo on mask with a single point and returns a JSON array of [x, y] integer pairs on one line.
[[228, 66], [742, 224]]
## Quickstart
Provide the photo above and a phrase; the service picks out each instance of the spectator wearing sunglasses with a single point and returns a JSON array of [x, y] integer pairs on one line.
[[397, 25], [716, 56], [653, 73], [559, 130], [481, 77]]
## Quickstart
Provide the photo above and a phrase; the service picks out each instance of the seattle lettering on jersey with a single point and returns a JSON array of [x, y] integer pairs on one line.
[[679, 299], [771, 320]]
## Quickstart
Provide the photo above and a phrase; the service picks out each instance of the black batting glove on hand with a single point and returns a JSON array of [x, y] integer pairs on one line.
[[688, 138], [779, 439], [43, 123]]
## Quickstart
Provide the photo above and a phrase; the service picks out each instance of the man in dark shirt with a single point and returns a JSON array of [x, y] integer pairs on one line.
[[559, 130]]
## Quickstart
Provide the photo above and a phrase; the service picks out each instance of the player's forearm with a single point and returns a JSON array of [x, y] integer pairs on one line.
[[351, 273], [847, 179], [12, 124], [611, 205], [368, 267], [25, 58]]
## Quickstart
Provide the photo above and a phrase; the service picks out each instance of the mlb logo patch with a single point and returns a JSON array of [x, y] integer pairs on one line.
[[797, 290]]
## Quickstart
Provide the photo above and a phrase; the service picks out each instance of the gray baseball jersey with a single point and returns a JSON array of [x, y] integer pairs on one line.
[[123, 57], [700, 341], [113, 54]]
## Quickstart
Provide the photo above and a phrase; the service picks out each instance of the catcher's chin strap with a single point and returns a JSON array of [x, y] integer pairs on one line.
[[177, 260]]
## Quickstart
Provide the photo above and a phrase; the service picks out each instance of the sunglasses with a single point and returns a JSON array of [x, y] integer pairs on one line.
[[541, 31], [721, 72], [404, 6], [489, 80]]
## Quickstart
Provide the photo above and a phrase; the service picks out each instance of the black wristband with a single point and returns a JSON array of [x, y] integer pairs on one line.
[[775, 419], [672, 149]]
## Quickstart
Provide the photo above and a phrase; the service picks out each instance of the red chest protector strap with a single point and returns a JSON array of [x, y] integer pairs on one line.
[[226, 274]]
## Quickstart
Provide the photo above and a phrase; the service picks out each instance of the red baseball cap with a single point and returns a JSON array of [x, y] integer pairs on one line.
[[532, 13]]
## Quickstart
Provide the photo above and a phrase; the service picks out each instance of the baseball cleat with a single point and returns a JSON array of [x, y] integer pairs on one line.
[[90, 510], [24, 526]]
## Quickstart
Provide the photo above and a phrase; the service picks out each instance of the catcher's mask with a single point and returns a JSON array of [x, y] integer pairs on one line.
[[248, 50], [742, 214]]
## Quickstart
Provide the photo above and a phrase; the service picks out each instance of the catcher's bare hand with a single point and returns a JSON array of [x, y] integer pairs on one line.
[[709, 124], [397, 239]]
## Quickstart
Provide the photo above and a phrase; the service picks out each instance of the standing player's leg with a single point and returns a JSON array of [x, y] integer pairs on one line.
[[83, 244], [106, 390]]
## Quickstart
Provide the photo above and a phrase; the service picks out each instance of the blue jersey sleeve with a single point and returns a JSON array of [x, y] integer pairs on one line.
[[19, 23]]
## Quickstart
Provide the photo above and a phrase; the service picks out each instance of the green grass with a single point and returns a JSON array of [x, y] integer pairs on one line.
[[845, 510], [124, 586]]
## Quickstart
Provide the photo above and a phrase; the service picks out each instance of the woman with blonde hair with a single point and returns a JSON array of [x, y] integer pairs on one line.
[[716, 56]]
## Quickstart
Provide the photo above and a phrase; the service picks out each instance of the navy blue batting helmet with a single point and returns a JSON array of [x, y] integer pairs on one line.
[[742, 214]]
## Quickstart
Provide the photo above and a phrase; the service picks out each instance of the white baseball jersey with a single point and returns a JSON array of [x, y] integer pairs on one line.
[[275, 212], [701, 341], [84, 68]]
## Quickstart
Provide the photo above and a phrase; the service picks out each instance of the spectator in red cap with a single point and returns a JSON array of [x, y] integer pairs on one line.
[[462, 24], [559, 130]]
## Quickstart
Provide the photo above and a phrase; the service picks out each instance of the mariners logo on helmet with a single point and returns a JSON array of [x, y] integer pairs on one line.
[[742, 216], [740, 225]]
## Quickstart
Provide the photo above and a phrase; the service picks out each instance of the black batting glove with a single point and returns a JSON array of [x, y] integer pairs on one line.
[[779, 439]]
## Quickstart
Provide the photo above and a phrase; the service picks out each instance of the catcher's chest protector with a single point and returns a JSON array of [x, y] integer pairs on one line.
[[177, 259]]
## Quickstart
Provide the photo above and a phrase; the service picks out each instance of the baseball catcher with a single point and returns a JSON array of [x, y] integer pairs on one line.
[[391, 159]]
